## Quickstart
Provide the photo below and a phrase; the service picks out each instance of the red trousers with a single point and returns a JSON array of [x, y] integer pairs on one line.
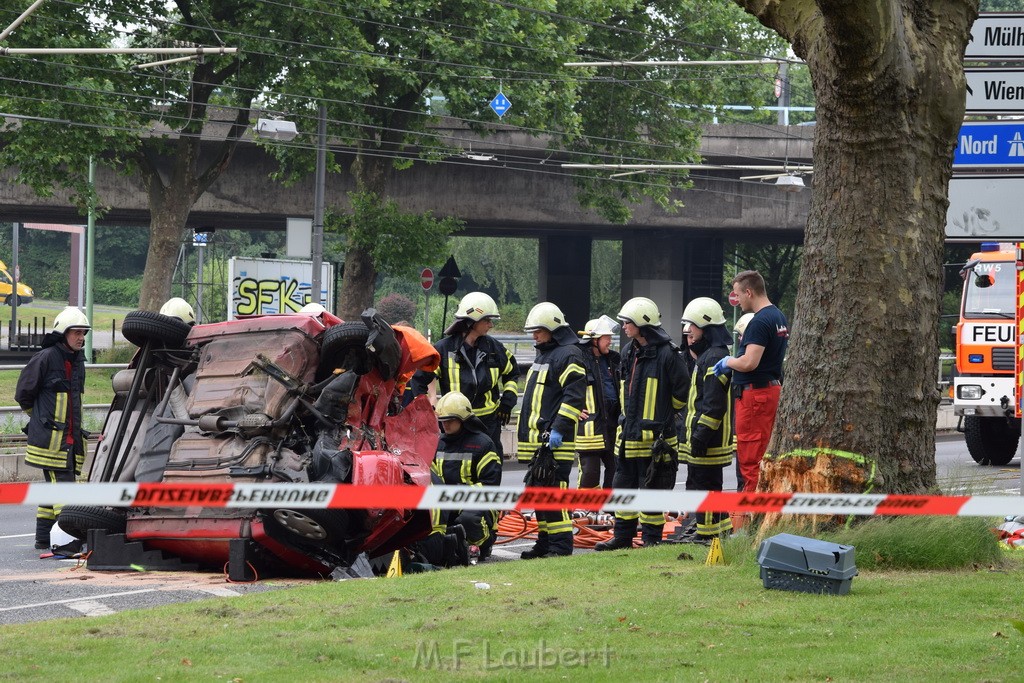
[[755, 417]]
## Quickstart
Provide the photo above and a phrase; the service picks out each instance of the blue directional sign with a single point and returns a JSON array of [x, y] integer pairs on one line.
[[500, 104], [996, 143]]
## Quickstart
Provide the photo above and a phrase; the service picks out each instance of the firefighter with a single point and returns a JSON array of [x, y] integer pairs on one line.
[[756, 373], [176, 307], [50, 390], [553, 401], [595, 438], [477, 365], [706, 440], [652, 390], [465, 456]]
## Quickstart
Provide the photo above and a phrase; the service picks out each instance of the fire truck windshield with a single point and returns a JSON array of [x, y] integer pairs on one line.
[[995, 301]]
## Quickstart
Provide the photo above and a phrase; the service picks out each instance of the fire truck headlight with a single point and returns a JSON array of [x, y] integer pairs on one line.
[[969, 392]]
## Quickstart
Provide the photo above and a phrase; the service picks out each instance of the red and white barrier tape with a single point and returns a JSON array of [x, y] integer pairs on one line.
[[498, 498]]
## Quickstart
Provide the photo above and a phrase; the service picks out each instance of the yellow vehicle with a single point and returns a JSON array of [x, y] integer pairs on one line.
[[25, 293]]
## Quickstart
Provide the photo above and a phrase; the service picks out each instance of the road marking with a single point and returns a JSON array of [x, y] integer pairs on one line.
[[17, 536], [69, 600], [220, 591], [91, 608]]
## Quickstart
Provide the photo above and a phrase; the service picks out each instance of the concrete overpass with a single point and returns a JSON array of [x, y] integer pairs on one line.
[[521, 192]]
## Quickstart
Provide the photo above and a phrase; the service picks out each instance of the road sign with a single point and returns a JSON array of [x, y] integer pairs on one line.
[[985, 208], [994, 143], [426, 278], [500, 104], [447, 286], [994, 91], [734, 298], [450, 269], [998, 35]]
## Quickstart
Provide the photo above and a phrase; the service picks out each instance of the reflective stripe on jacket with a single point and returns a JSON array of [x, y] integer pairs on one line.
[[484, 380], [654, 386], [708, 412], [54, 403], [554, 396]]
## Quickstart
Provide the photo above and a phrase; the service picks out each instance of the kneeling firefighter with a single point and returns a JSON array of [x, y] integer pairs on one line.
[[465, 456]]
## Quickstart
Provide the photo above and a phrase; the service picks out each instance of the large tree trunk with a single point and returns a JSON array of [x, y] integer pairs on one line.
[[360, 278], [859, 404]]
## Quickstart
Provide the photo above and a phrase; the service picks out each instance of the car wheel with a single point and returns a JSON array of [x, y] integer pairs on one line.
[[78, 519], [10, 300], [319, 527], [344, 346], [142, 326]]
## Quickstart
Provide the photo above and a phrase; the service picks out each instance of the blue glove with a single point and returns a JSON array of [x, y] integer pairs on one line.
[[721, 368], [555, 439]]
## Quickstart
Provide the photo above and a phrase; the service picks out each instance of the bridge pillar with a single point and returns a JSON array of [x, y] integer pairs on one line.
[[671, 270], [565, 276]]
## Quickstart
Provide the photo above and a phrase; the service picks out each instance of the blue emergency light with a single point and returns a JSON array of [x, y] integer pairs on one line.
[[976, 358]]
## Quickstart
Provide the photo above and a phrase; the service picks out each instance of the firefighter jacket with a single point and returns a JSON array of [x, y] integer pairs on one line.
[[467, 458], [653, 389], [597, 432], [707, 416], [556, 386], [50, 390], [487, 374]]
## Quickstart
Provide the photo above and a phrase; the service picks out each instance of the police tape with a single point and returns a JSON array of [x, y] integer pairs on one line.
[[319, 496]]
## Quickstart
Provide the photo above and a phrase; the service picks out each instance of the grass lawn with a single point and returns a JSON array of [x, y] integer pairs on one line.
[[646, 615]]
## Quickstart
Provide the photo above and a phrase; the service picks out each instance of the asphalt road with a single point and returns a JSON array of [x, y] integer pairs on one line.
[[34, 589]]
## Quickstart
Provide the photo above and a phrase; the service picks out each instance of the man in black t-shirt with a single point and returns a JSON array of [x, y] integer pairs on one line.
[[756, 374]]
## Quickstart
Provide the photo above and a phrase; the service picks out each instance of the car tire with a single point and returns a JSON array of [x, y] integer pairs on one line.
[[318, 527], [9, 299], [344, 346], [78, 519], [991, 440], [165, 331]]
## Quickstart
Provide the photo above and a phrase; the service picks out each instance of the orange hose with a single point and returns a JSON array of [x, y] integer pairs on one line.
[[513, 525]]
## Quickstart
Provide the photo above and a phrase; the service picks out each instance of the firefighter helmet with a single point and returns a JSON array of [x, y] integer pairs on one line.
[[454, 405], [599, 327], [313, 308], [179, 308], [546, 316], [703, 311], [640, 311], [70, 319], [477, 306], [741, 324]]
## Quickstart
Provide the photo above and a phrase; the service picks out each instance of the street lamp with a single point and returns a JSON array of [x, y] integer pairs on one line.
[[285, 131]]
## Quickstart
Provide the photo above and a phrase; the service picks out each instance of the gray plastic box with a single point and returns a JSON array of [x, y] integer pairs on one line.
[[796, 563]]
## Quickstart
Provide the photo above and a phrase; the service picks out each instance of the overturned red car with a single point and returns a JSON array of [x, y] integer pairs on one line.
[[282, 398]]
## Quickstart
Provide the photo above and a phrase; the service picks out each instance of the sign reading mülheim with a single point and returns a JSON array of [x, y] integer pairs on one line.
[[997, 35]]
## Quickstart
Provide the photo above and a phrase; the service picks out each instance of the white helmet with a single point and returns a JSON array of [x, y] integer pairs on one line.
[[640, 311], [313, 308], [454, 405], [70, 319], [741, 324], [179, 308], [476, 306], [703, 311], [545, 315], [599, 327]]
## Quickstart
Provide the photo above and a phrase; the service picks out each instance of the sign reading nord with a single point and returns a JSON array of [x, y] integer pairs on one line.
[[996, 143]]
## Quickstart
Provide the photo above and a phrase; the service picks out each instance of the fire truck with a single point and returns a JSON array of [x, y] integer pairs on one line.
[[983, 390]]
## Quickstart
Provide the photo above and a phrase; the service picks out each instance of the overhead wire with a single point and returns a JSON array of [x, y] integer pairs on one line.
[[421, 133]]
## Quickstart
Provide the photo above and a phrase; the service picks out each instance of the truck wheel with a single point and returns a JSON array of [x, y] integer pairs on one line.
[[991, 440], [78, 519]]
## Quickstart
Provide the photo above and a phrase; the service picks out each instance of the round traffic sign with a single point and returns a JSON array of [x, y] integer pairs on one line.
[[734, 298], [447, 286], [426, 278]]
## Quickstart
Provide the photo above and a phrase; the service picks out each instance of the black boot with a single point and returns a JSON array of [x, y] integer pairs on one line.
[[651, 534], [622, 538], [536, 551], [43, 527]]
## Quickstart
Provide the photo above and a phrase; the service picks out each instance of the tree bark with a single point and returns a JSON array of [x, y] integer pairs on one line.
[[859, 404]]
